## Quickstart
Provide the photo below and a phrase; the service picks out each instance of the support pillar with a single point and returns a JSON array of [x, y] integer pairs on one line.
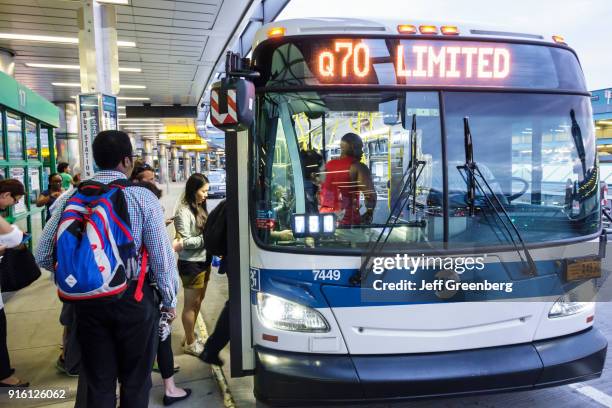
[[187, 164], [99, 68], [67, 135], [175, 164], [206, 162], [147, 151], [198, 162], [162, 151]]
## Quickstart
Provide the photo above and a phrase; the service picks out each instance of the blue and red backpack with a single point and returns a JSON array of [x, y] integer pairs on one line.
[[95, 254]]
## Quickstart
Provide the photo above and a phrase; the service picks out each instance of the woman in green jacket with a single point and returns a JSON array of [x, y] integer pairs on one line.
[[189, 221]]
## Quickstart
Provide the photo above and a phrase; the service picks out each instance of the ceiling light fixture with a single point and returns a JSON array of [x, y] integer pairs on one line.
[[127, 44], [141, 120], [143, 126], [54, 39], [124, 2], [128, 69], [74, 67], [133, 86], [67, 84], [133, 98], [78, 85], [52, 66]]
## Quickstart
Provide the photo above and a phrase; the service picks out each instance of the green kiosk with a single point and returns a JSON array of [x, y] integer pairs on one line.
[[27, 149]]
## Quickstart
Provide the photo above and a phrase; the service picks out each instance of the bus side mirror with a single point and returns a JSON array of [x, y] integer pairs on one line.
[[232, 102]]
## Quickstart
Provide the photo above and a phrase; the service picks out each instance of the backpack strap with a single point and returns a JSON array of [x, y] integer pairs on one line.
[[92, 188], [143, 271], [121, 183]]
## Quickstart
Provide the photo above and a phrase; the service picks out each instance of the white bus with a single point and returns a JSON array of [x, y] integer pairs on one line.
[[487, 187]]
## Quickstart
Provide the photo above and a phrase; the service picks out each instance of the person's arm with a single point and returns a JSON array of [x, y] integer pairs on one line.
[[284, 235], [5, 226], [44, 249], [161, 258], [361, 174], [42, 199], [182, 224], [10, 235]]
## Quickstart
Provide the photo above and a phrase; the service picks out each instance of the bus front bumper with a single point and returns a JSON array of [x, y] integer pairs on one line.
[[296, 378]]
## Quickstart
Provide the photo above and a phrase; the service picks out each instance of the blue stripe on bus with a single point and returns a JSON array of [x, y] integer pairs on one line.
[[301, 285]]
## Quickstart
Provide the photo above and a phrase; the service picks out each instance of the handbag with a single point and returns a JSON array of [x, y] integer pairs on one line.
[[18, 269]]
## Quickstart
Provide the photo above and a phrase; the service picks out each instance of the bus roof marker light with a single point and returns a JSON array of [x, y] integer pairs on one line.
[[449, 30], [276, 32], [428, 29], [406, 29], [559, 39]]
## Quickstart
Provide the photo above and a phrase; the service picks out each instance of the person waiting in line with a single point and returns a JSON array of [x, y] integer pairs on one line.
[[143, 173], [165, 359], [118, 340], [63, 169], [346, 178], [11, 191], [47, 197], [194, 270]]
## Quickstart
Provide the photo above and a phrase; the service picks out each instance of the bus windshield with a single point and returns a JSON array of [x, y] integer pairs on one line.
[[383, 158], [536, 151]]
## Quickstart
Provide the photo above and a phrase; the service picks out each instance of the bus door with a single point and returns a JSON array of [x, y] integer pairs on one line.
[[231, 110], [241, 351]]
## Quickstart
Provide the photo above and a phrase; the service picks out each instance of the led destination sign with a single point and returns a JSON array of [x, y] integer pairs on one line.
[[348, 59], [417, 62]]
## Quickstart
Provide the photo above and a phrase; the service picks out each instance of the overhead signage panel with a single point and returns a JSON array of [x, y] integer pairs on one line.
[[320, 61]]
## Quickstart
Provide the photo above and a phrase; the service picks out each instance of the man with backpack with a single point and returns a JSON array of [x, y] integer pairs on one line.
[[99, 243]]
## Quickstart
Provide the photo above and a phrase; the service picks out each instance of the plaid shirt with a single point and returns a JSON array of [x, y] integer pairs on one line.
[[147, 220]]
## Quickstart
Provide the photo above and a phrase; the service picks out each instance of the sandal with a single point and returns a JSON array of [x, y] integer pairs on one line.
[[20, 384]]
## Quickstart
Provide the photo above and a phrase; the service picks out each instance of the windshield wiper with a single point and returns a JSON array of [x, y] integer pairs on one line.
[[410, 177], [473, 174]]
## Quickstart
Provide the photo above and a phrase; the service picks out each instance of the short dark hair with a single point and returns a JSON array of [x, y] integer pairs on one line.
[[110, 147], [62, 166], [12, 186], [53, 175]]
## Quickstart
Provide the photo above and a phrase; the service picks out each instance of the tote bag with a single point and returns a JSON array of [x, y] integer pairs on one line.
[[18, 269]]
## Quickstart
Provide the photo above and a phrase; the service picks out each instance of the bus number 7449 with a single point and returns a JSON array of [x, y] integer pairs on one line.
[[326, 274]]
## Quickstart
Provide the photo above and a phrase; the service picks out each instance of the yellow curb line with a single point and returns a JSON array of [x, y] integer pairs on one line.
[[228, 400]]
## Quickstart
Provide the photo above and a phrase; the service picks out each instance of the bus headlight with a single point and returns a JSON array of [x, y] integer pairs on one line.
[[282, 314], [566, 305]]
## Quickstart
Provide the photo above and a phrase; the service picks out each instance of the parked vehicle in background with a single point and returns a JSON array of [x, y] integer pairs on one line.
[[217, 184]]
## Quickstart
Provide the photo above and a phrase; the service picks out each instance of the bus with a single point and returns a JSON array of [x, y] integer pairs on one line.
[[464, 246]]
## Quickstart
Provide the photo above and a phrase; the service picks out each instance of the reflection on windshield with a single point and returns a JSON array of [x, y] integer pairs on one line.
[[348, 154], [532, 148]]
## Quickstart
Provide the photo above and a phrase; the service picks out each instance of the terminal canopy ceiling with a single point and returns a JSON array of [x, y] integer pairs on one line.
[[178, 46]]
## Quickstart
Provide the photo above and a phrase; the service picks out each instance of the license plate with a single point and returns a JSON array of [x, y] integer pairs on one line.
[[580, 269]]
